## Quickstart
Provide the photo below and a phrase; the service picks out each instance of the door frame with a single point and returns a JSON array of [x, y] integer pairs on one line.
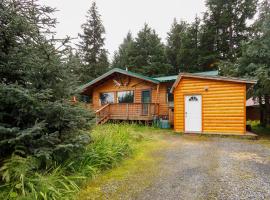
[[184, 121], [150, 92]]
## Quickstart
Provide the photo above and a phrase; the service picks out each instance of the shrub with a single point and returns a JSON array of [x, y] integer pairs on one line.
[[22, 178], [111, 143]]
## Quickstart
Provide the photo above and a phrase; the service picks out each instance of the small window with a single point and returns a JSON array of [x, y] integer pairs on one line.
[[106, 97], [169, 95], [85, 99], [193, 98], [125, 97]]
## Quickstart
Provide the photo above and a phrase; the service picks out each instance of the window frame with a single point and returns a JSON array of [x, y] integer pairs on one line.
[[113, 98], [133, 92], [168, 93], [86, 98]]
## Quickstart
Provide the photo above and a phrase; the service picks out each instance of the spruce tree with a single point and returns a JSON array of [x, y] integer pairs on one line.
[[226, 25], [208, 54], [36, 117], [255, 62], [148, 56], [145, 54], [122, 57], [183, 48], [174, 46], [92, 51]]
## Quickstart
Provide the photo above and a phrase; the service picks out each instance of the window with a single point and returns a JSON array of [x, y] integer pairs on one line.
[[125, 97], [193, 98], [146, 96], [106, 97], [85, 99], [169, 95]]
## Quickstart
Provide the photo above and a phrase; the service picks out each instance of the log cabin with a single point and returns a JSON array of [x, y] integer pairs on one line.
[[192, 102], [125, 95]]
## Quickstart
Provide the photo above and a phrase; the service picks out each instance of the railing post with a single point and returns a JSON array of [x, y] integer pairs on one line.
[[96, 118], [127, 110]]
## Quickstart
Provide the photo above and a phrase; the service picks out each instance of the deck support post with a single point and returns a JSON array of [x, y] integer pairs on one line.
[[156, 109]]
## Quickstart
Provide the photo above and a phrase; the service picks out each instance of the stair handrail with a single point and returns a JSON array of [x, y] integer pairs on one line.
[[103, 107]]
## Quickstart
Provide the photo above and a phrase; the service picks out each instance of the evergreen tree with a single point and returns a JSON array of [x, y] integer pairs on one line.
[[148, 56], [92, 51], [255, 62], [226, 25], [184, 48], [145, 54], [36, 117], [122, 56], [190, 52], [208, 58], [175, 45]]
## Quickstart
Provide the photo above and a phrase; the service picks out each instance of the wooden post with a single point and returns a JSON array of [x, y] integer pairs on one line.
[[156, 110], [127, 109]]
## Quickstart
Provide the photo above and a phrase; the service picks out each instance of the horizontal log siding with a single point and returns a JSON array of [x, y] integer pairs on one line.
[[223, 105], [163, 104], [137, 85]]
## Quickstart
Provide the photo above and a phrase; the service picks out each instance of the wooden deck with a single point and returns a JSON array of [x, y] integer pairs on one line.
[[127, 111]]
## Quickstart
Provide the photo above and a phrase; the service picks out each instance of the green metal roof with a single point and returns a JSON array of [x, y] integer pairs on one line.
[[174, 77], [166, 78]]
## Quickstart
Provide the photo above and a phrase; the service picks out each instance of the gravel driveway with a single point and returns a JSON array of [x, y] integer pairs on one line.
[[212, 168]]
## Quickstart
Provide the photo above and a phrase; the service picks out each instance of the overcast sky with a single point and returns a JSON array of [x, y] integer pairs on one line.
[[120, 16]]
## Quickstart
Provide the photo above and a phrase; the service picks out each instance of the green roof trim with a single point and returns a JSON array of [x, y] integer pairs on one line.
[[121, 71], [166, 78], [174, 77]]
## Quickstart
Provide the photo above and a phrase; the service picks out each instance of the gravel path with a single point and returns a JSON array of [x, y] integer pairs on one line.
[[212, 168]]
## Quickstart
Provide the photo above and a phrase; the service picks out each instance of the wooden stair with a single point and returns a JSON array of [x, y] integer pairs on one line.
[[103, 115], [103, 120]]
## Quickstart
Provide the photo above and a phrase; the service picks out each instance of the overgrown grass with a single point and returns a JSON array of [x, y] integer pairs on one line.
[[111, 143]]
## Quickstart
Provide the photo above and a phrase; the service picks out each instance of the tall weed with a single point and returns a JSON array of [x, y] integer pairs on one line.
[[111, 143]]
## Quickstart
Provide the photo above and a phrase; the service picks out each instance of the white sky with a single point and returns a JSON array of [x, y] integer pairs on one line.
[[120, 16]]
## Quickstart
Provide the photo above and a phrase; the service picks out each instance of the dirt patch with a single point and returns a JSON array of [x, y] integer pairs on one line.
[[247, 156]]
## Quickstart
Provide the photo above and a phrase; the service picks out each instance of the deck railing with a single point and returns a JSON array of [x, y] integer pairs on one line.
[[127, 111]]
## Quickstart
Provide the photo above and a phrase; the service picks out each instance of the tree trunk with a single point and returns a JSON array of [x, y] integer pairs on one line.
[[267, 109], [262, 112]]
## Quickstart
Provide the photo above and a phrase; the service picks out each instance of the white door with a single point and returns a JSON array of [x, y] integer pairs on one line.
[[193, 113]]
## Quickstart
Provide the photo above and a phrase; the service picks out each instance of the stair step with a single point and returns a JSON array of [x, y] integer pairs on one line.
[[103, 120]]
